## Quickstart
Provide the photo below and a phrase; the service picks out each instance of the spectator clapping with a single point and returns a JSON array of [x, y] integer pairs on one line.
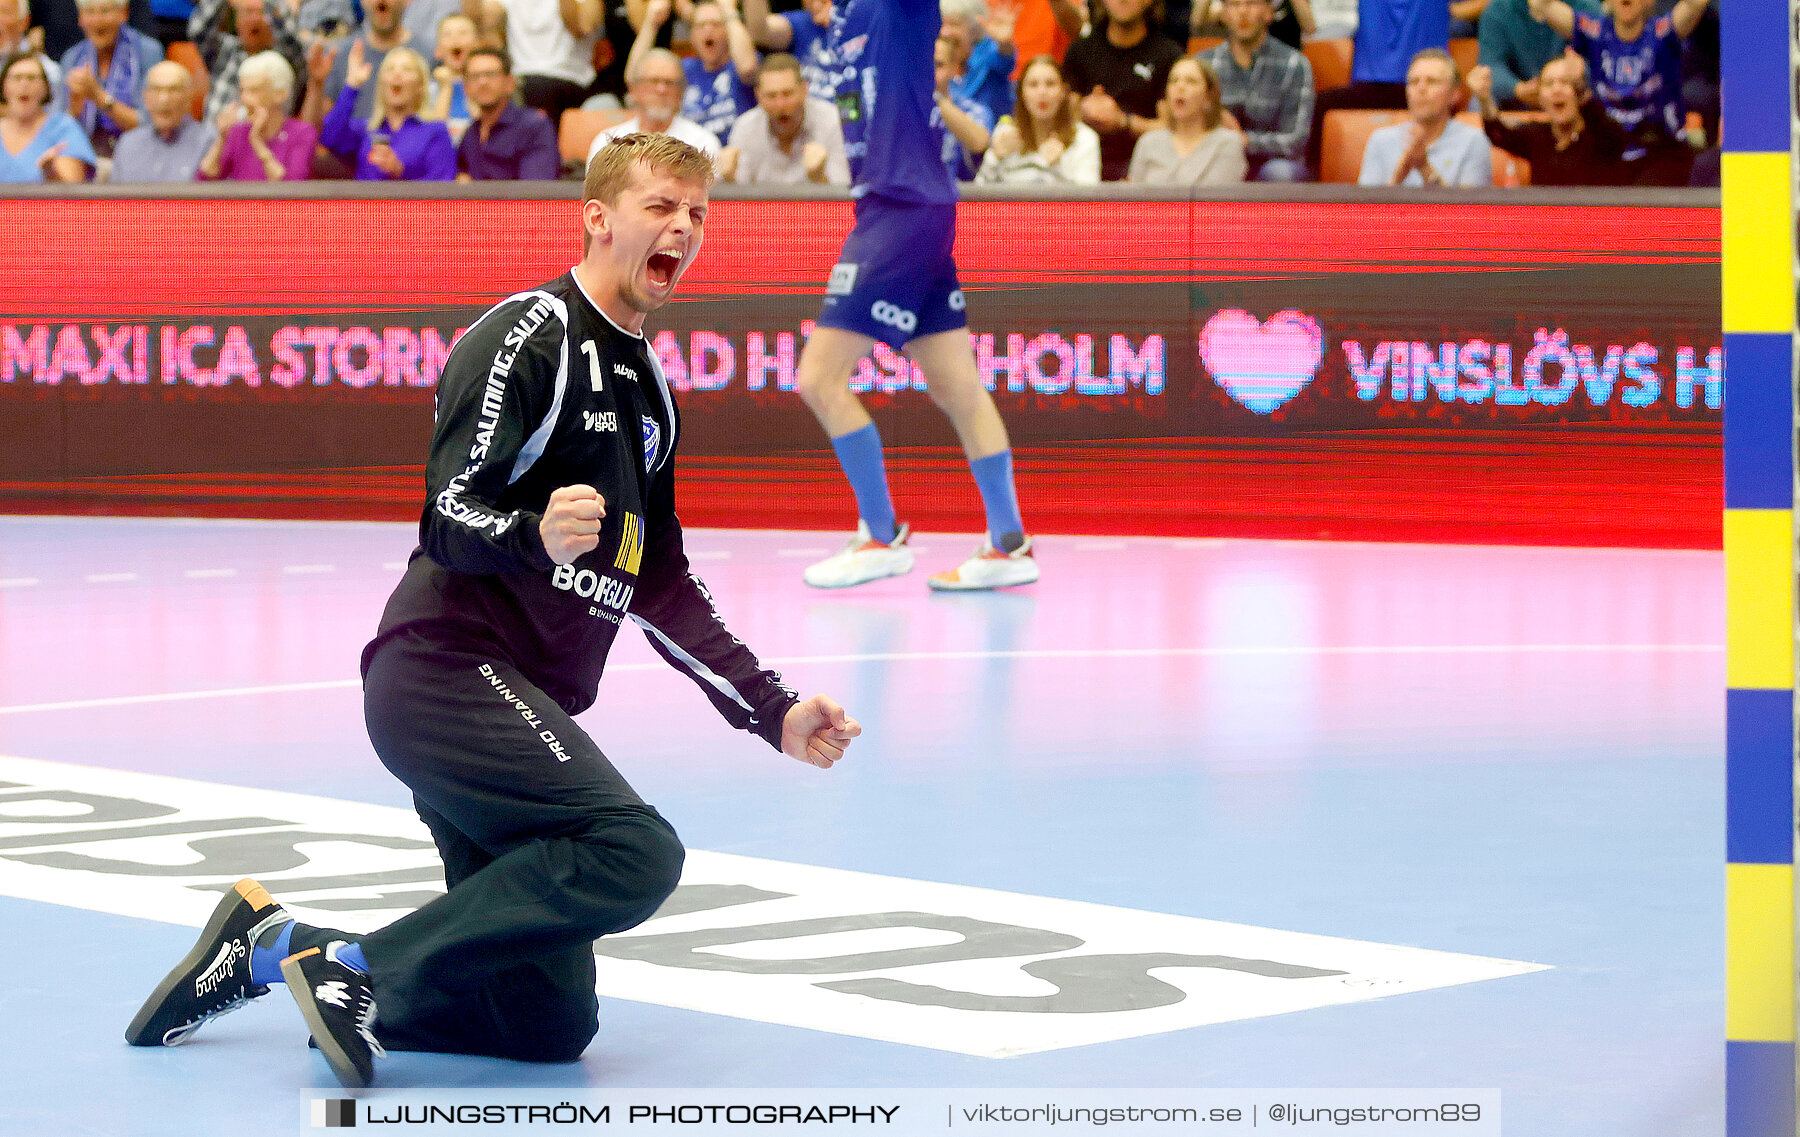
[[1042, 143]]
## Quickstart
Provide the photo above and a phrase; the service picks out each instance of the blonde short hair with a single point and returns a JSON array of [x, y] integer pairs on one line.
[[611, 171]]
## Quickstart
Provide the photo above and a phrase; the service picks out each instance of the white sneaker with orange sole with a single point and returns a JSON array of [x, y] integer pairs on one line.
[[989, 568], [862, 559]]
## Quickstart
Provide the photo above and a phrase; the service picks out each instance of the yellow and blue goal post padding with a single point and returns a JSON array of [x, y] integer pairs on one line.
[[1758, 285]]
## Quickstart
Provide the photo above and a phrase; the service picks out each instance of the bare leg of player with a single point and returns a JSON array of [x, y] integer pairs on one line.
[[1004, 558], [955, 386], [879, 547], [826, 364]]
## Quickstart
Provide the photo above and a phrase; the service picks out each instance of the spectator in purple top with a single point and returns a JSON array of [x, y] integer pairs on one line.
[[258, 140], [504, 142], [395, 143]]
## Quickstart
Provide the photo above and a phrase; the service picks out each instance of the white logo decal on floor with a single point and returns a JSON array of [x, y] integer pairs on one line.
[[946, 966]]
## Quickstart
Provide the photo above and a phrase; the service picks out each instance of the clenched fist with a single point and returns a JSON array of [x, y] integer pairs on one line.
[[817, 730], [571, 522]]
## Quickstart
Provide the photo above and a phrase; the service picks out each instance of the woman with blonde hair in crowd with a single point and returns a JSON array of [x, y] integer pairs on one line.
[[258, 140], [37, 145], [1193, 147], [396, 142], [1042, 142]]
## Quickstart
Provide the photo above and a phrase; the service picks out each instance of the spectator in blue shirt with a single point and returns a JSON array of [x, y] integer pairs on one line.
[[806, 35], [456, 36], [37, 145], [1389, 34], [171, 19], [981, 42], [327, 62], [505, 141], [105, 72], [1432, 149], [721, 72], [395, 143]]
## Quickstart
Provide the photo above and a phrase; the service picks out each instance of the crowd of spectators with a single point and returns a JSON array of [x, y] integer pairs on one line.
[[1028, 92]]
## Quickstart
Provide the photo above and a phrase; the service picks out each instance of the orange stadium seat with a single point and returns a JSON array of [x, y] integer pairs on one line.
[[1330, 59], [579, 128], [188, 56], [1201, 43], [1346, 133], [1466, 51]]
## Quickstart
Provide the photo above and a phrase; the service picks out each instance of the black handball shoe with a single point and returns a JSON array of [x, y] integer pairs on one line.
[[214, 978], [339, 1007]]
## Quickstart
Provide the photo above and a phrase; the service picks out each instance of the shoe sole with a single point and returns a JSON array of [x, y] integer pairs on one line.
[[335, 1056], [864, 580], [937, 585], [245, 891]]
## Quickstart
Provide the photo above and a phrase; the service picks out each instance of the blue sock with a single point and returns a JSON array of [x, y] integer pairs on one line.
[[265, 962], [351, 956], [994, 477], [859, 453]]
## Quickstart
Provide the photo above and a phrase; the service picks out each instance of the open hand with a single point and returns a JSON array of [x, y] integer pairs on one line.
[[319, 58], [1002, 18], [359, 69]]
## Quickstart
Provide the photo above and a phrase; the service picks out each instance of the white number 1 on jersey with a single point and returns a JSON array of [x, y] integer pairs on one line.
[[593, 358]]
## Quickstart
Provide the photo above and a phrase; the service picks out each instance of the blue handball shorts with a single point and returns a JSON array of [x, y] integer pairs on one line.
[[896, 278]]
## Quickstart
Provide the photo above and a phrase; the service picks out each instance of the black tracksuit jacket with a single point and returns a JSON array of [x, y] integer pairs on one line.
[[544, 391]]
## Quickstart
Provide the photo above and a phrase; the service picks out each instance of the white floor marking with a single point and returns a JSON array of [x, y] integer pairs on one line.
[[111, 577], [922, 963], [915, 656]]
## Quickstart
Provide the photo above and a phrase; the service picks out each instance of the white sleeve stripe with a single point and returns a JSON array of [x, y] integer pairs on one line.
[[533, 449], [704, 673], [439, 389]]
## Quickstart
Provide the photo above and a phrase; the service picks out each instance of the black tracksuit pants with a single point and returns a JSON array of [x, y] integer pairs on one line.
[[545, 849]]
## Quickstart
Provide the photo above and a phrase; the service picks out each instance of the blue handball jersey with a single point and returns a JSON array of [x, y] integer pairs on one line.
[[1637, 81], [884, 94]]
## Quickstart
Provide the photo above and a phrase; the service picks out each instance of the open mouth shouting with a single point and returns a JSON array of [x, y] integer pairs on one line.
[[663, 267]]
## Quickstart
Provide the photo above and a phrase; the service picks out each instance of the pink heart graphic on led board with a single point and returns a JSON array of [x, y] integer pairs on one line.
[[1261, 365]]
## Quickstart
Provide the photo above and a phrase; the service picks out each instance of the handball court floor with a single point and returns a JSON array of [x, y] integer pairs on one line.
[[1500, 752]]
